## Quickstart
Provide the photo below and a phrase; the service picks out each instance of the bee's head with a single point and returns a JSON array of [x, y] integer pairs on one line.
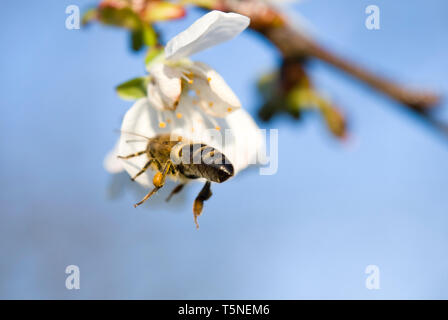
[[225, 171]]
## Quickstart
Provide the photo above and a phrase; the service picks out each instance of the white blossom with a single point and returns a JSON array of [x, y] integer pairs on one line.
[[175, 73], [191, 100], [238, 136]]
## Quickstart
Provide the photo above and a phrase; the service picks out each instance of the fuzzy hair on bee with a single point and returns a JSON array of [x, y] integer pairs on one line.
[[182, 160]]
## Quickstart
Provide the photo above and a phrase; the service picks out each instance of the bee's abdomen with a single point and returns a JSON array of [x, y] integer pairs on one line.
[[202, 161]]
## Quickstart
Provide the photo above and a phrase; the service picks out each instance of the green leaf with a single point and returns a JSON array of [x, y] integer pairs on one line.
[[120, 17], [267, 85], [132, 89], [208, 4], [149, 35], [334, 120], [143, 36], [152, 54], [304, 98], [137, 40]]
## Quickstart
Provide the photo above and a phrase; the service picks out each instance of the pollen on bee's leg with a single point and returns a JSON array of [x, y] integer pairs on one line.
[[197, 210], [218, 128], [179, 115], [198, 204], [229, 109], [209, 79], [162, 124], [210, 104], [158, 179]]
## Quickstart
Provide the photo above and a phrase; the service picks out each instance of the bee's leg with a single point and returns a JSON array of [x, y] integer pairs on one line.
[[145, 167], [204, 195], [158, 181], [132, 155], [177, 189]]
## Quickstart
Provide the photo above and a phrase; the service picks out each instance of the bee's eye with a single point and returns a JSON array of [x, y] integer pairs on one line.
[[225, 172]]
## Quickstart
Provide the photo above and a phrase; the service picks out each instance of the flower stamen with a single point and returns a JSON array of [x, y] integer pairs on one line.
[[188, 78], [213, 122], [162, 123]]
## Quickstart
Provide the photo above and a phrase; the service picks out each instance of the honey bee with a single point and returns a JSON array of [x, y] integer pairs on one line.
[[184, 161]]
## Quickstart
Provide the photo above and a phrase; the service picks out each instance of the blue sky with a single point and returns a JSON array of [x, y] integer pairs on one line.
[[307, 232]]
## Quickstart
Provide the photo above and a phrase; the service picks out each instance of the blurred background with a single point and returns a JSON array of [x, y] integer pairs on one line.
[[307, 232]]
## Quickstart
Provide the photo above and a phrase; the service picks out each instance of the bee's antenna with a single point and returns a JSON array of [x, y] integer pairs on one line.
[[135, 134], [134, 140]]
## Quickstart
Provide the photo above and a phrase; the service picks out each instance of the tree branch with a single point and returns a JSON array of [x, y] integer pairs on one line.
[[291, 42]]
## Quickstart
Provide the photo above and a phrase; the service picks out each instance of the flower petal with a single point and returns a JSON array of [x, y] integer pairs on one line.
[[192, 125], [168, 82], [154, 97], [210, 102], [209, 30], [140, 120], [211, 87], [111, 162], [248, 140]]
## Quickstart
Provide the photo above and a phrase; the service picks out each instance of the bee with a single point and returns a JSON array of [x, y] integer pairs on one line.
[[184, 161]]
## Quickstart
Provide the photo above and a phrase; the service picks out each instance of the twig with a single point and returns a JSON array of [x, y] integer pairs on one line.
[[266, 20]]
